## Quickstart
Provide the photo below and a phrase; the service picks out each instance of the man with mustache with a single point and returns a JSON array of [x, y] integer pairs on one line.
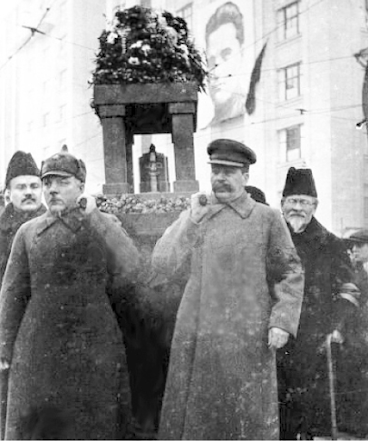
[[68, 272], [329, 300], [241, 302], [23, 191]]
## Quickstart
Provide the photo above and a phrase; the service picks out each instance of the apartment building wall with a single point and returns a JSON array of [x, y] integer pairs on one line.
[[308, 98], [46, 96]]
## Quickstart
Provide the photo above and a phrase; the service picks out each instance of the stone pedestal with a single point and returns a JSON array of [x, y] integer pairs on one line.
[[114, 141], [137, 109], [182, 124]]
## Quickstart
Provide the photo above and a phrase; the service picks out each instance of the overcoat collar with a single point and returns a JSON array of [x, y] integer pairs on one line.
[[243, 205], [11, 220], [72, 219]]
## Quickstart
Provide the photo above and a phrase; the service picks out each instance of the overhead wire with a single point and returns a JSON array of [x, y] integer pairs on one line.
[[62, 39], [34, 30]]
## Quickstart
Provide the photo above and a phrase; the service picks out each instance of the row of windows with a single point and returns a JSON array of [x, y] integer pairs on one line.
[[289, 77], [288, 19], [290, 83], [46, 118]]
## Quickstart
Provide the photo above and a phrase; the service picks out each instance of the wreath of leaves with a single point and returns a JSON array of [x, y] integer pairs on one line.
[[136, 204], [141, 46]]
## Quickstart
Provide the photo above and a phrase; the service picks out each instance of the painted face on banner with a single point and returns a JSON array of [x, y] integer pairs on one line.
[[224, 49]]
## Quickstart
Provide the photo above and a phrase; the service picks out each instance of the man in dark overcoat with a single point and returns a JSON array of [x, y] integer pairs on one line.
[[59, 335], [24, 191], [242, 301], [352, 360], [327, 306]]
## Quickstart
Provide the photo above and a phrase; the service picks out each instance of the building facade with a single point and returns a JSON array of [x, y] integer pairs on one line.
[[283, 79], [44, 86]]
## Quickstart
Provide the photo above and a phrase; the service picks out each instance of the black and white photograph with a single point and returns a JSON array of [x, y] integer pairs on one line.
[[184, 220]]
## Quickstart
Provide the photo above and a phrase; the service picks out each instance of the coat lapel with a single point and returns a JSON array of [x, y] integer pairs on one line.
[[72, 220], [243, 206]]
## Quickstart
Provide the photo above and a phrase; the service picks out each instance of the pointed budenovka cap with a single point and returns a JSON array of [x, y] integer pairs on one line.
[[299, 181], [64, 164], [230, 152], [21, 164]]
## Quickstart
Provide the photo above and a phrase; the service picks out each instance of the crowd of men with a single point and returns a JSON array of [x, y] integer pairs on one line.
[[262, 291]]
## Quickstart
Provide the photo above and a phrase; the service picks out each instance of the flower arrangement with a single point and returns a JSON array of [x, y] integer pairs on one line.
[[136, 204], [142, 46]]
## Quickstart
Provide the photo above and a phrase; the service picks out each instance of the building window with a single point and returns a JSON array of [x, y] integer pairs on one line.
[[365, 210], [289, 82], [288, 21], [62, 110], [62, 80], [290, 141], [187, 13], [46, 119], [365, 206], [62, 22]]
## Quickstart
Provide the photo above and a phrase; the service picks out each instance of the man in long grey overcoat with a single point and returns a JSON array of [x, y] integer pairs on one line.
[[59, 335], [24, 191], [242, 301]]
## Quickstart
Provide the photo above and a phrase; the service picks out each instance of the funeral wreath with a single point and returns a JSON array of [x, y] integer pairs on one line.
[[144, 46]]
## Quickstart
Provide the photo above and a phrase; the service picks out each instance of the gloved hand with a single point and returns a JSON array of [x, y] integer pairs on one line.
[[197, 209], [336, 337], [277, 338], [87, 203], [4, 364]]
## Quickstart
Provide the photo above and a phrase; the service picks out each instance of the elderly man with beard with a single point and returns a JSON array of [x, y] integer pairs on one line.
[[242, 301], [23, 190], [329, 301]]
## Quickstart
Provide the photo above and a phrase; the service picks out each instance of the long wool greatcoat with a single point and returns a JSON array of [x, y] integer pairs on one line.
[[302, 363], [222, 377], [10, 222], [58, 327], [352, 365]]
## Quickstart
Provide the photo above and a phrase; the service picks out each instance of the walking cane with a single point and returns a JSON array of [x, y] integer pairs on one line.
[[331, 380], [4, 378]]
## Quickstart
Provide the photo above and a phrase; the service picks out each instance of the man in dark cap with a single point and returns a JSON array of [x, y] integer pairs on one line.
[[59, 336], [23, 191], [242, 301], [329, 299], [352, 363]]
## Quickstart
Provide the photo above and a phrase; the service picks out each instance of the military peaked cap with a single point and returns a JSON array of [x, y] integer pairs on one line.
[[230, 152]]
